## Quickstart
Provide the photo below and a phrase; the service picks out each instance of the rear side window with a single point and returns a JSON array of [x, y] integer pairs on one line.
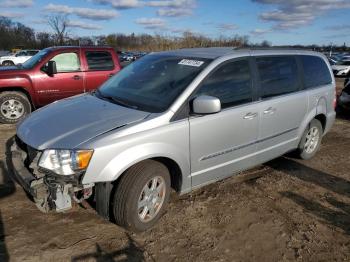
[[99, 60], [231, 83], [278, 75], [316, 72]]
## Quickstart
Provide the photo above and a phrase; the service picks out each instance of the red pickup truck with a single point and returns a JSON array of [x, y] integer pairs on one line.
[[53, 73]]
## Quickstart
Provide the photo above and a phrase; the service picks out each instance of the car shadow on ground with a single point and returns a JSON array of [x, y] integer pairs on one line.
[[7, 188], [338, 214], [132, 252], [343, 114]]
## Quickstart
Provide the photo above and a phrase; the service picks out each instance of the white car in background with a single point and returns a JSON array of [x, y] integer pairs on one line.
[[18, 58], [341, 68]]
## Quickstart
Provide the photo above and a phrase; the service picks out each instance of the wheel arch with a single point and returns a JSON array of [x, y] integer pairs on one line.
[[104, 191], [170, 155], [323, 119], [8, 60], [21, 90]]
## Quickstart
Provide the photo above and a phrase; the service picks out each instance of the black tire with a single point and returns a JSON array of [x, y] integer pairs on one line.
[[8, 63], [128, 192], [20, 99], [302, 151]]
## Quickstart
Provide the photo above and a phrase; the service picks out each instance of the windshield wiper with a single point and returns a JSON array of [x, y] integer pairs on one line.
[[115, 100]]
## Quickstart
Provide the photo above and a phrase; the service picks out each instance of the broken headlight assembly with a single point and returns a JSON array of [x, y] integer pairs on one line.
[[65, 162]]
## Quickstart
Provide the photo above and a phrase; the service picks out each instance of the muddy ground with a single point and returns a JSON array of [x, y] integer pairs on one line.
[[293, 211]]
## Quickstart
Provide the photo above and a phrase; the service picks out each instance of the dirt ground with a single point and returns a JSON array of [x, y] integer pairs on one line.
[[293, 211]]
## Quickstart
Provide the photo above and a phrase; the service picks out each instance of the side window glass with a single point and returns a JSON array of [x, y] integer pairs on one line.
[[67, 62], [231, 83], [99, 60], [278, 75], [316, 72]]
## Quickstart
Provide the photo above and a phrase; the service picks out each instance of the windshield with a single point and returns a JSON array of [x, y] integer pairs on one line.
[[34, 60], [153, 82]]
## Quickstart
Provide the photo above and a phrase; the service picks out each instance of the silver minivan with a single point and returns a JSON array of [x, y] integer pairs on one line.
[[173, 120]]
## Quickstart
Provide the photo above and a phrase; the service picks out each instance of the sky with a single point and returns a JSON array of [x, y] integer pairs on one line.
[[281, 22]]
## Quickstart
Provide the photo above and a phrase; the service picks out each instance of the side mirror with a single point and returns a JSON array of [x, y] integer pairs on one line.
[[51, 68], [206, 105]]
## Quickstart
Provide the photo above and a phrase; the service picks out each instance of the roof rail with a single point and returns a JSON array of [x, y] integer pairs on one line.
[[273, 48]]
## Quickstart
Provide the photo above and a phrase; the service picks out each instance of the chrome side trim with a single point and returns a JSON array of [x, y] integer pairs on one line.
[[229, 150]]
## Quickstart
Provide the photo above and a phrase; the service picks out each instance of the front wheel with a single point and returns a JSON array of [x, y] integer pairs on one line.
[[8, 63], [14, 106], [141, 196], [311, 140]]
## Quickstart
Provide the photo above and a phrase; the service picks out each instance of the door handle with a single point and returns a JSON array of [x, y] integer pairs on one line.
[[76, 77], [270, 110], [110, 75], [250, 116]]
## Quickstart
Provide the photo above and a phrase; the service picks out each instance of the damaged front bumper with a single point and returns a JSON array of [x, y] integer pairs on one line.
[[48, 190]]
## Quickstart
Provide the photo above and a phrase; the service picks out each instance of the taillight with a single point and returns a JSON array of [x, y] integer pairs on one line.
[[335, 100]]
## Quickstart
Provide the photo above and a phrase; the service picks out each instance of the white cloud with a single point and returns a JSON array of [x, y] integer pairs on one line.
[[16, 3], [170, 8], [258, 31], [227, 27], [11, 14], [296, 13], [172, 3], [152, 23], [88, 13], [121, 4], [174, 12], [173, 8], [82, 25], [183, 31]]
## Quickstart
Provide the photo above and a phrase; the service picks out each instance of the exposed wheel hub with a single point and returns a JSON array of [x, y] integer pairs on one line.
[[312, 140], [12, 109], [151, 199]]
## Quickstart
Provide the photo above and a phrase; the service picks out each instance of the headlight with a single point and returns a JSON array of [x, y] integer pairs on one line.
[[65, 162]]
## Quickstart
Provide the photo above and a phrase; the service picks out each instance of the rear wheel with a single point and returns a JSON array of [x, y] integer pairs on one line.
[[141, 196], [14, 106], [8, 63], [311, 140]]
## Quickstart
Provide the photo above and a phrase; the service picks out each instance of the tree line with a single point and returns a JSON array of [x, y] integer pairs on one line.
[[14, 34]]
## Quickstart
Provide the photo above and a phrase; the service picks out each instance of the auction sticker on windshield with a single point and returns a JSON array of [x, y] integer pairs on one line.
[[189, 62]]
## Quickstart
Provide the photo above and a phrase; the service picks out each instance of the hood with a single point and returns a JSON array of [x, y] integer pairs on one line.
[[7, 57], [68, 123]]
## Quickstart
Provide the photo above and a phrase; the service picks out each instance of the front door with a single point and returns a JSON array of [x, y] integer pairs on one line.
[[223, 143], [68, 81]]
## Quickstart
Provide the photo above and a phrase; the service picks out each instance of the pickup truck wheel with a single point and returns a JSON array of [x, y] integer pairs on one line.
[[141, 196], [311, 140], [8, 63], [14, 106]]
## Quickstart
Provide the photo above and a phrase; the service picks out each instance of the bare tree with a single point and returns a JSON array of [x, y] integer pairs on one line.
[[59, 24]]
